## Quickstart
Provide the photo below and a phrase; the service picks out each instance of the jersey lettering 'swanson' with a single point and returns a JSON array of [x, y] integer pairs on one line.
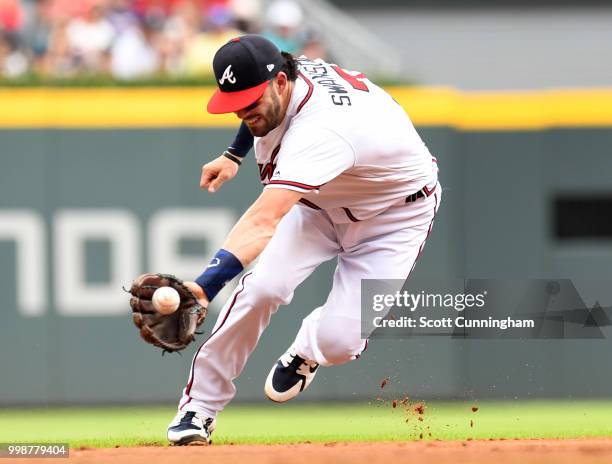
[[346, 144], [320, 75]]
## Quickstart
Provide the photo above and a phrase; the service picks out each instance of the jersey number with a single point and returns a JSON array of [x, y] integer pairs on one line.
[[351, 79]]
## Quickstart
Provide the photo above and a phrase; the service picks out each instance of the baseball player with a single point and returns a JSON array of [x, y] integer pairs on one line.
[[345, 176]]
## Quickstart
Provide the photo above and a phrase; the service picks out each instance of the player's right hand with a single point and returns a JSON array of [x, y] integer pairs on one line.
[[216, 172]]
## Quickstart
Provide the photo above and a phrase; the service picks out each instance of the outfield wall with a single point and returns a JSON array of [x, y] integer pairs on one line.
[[97, 186]]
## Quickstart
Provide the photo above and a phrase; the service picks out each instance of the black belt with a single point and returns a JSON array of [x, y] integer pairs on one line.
[[424, 192]]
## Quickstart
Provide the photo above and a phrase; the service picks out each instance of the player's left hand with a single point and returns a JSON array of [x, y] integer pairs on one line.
[[198, 292], [215, 173], [171, 332]]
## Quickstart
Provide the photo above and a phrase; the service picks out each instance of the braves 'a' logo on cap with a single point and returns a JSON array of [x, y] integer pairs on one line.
[[229, 75]]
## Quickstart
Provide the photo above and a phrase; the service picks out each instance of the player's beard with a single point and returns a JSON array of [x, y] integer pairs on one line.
[[268, 120]]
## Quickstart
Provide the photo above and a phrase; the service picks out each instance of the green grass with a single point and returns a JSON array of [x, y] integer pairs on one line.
[[270, 423]]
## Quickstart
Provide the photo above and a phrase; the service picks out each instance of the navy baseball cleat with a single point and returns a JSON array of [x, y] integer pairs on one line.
[[289, 376], [190, 428]]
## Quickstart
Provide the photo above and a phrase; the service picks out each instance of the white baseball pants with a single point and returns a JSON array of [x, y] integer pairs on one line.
[[384, 247]]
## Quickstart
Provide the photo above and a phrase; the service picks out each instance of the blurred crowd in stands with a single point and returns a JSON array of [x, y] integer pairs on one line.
[[129, 39]]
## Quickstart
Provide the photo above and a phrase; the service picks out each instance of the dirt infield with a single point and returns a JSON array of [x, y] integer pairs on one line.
[[582, 451]]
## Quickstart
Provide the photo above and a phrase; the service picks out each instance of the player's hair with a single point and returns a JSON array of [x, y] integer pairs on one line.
[[289, 66]]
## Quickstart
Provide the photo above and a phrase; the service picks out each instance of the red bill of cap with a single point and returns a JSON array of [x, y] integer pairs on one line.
[[228, 102]]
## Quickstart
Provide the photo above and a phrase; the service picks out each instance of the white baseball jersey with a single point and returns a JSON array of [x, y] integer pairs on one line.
[[329, 146], [354, 152]]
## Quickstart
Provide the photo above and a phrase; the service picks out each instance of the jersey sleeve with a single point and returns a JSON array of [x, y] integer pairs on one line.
[[309, 158]]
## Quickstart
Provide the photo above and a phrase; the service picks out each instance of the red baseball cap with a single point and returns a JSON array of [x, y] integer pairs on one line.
[[243, 68]]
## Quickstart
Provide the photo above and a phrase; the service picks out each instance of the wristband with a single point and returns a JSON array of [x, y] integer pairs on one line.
[[243, 142], [222, 268], [235, 159]]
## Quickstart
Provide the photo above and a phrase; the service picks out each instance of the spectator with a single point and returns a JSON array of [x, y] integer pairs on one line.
[[60, 11], [179, 28], [57, 61], [201, 47], [36, 32], [136, 38], [135, 52], [246, 14], [11, 16], [313, 46], [284, 19], [89, 40], [13, 62], [144, 8], [121, 15]]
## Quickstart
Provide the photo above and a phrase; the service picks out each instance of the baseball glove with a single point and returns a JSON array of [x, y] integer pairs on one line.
[[174, 331]]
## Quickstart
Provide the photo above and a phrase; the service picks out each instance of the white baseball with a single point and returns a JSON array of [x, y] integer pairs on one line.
[[166, 300]]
